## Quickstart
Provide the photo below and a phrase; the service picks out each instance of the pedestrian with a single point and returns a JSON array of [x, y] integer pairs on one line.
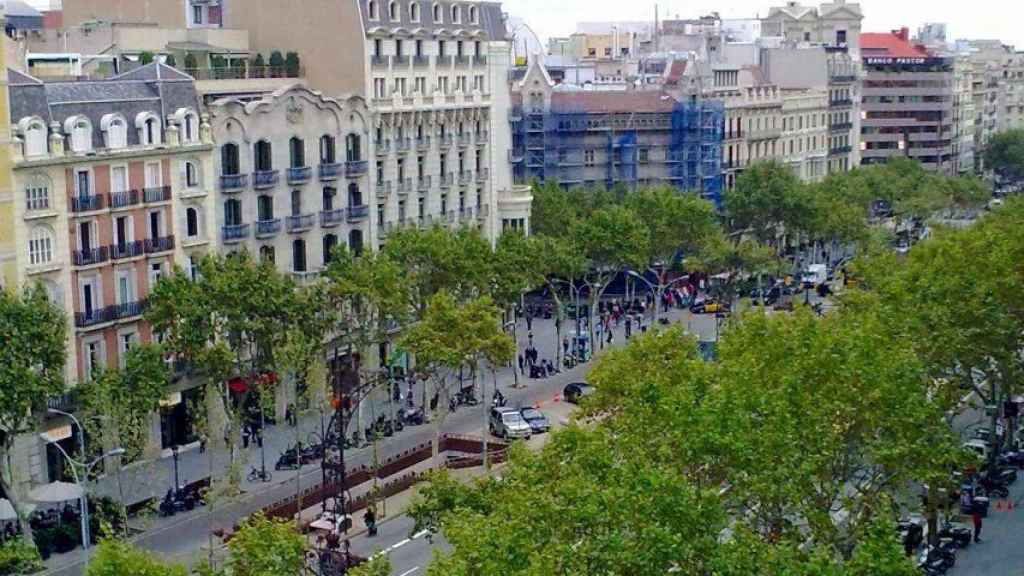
[[629, 326], [371, 521], [521, 371], [529, 321], [202, 442], [565, 345], [976, 516], [529, 339]]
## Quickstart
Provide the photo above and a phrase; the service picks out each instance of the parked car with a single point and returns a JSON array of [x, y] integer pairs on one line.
[[576, 391], [708, 306], [509, 423], [538, 422]]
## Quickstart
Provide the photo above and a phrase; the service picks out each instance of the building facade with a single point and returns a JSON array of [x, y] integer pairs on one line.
[[112, 184], [908, 103]]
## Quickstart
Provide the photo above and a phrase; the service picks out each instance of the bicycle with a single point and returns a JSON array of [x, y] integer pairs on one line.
[[259, 474]]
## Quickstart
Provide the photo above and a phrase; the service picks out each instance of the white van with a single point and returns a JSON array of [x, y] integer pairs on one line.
[[815, 275]]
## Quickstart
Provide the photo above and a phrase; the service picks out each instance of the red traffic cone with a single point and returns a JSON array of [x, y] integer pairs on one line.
[[1009, 505], [999, 505], [558, 398]]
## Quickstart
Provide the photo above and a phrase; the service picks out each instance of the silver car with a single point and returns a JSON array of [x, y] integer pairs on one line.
[[509, 423]]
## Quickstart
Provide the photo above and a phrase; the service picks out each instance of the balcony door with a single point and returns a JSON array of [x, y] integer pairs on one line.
[[232, 212], [264, 159]]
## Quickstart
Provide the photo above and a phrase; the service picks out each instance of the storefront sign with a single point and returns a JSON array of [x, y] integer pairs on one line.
[[59, 433]]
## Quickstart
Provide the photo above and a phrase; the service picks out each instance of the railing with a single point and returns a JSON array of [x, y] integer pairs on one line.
[[447, 139], [515, 114], [87, 203], [465, 177], [482, 175], [162, 244], [265, 179], [841, 126], [405, 186], [330, 171], [843, 78], [329, 218], [358, 212], [443, 61], [124, 199], [128, 309], [840, 150], [482, 137], [64, 402], [379, 61], [244, 72], [382, 146], [300, 223], [127, 250], [236, 232], [462, 60], [423, 183], [464, 140], [403, 144], [423, 142], [447, 180], [383, 189], [233, 182], [402, 60], [841, 102], [94, 317], [266, 228], [480, 60], [156, 194], [420, 61], [355, 168], [299, 175], [90, 257]]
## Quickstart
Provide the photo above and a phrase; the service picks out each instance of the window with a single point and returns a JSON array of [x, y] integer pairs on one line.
[[299, 255], [441, 45], [460, 48], [125, 290], [393, 11], [399, 48], [374, 10], [126, 341], [328, 197], [189, 128], [380, 89], [267, 254], [149, 126], [355, 197], [37, 194], [191, 174], [414, 12], [473, 18], [588, 157], [437, 14], [92, 357], [264, 208], [122, 233], [197, 14], [35, 138], [840, 37], [327, 149], [455, 15], [330, 243], [232, 212], [83, 184], [81, 134], [264, 158], [152, 175], [118, 179], [353, 148], [378, 47], [421, 85], [229, 163], [40, 247], [156, 272], [297, 149], [355, 242], [192, 222], [296, 203]]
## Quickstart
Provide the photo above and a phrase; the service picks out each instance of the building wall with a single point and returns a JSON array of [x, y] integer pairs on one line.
[[8, 249], [169, 13]]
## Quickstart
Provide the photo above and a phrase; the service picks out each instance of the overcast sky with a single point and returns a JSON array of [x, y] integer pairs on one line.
[[988, 19]]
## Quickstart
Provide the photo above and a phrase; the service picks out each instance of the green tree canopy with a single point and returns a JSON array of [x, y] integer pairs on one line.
[[114, 558], [1005, 154]]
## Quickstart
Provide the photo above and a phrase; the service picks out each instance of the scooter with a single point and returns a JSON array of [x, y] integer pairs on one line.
[[961, 535], [411, 416]]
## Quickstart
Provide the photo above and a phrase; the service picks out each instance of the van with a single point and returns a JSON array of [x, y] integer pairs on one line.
[[815, 275]]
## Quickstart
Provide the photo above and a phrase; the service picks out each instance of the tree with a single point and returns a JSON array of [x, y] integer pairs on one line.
[[259, 67], [263, 547], [19, 556], [767, 198], [170, 61], [190, 62], [276, 63], [146, 58], [292, 65], [114, 558], [379, 565], [32, 352], [1005, 155]]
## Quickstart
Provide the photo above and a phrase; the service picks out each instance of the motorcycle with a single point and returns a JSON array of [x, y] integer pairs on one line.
[[411, 416], [498, 399], [993, 487], [961, 535], [180, 500]]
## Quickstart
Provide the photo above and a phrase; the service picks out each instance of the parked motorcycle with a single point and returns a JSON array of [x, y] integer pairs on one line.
[[960, 534]]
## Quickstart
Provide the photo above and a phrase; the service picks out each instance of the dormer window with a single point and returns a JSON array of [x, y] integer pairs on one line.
[[115, 131], [33, 132], [393, 11], [374, 10], [414, 11], [149, 127], [80, 130], [437, 14]]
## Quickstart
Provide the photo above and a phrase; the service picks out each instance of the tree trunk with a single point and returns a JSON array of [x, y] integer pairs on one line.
[[7, 485]]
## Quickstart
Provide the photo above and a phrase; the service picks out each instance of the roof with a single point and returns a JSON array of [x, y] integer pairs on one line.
[[676, 71], [490, 21], [796, 11], [153, 72], [202, 47], [891, 45], [605, 102], [21, 16]]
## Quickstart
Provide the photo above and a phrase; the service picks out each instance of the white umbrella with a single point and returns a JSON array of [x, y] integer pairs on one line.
[[6, 510], [56, 492]]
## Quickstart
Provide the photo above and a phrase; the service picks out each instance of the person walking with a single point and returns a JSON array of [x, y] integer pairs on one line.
[[565, 346], [976, 516], [629, 326], [521, 370]]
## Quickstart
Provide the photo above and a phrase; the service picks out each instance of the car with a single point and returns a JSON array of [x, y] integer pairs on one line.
[[509, 423], [708, 306], [977, 447], [538, 422], [576, 391], [994, 203]]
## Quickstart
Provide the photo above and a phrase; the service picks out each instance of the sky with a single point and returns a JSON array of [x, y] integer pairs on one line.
[[979, 19]]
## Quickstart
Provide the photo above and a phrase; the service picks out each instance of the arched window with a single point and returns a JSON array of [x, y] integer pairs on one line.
[[329, 194], [355, 242], [115, 131], [296, 203], [264, 208], [374, 10], [191, 174], [299, 255], [473, 17], [297, 151], [190, 128], [455, 15], [80, 130], [330, 243], [393, 11], [438, 14], [414, 11], [327, 149], [232, 212], [267, 254], [355, 197], [264, 158], [229, 164], [353, 148], [192, 222], [34, 132], [149, 126], [40, 246], [37, 194]]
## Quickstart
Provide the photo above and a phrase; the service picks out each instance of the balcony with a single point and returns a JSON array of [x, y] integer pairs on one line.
[[443, 61], [235, 233], [94, 317], [840, 103], [128, 310], [480, 60], [356, 168], [87, 203], [840, 150], [299, 175], [462, 60], [234, 182], [156, 194], [264, 179], [378, 61], [403, 144], [482, 175], [482, 137], [383, 190], [300, 223], [464, 140], [331, 218], [127, 250], [843, 78], [358, 213], [423, 143], [157, 245], [124, 199], [382, 147], [446, 140], [423, 184], [420, 61], [268, 228], [447, 180], [400, 60], [90, 256], [330, 171], [465, 178], [405, 186], [841, 127]]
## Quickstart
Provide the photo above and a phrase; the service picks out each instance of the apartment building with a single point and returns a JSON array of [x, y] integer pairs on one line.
[[611, 138], [293, 177], [832, 23], [907, 102], [112, 185]]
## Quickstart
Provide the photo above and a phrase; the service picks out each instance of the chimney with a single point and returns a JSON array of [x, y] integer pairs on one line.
[[902, 34]]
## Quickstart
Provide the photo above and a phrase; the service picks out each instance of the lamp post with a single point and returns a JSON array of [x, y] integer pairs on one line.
[[80, 482], [658, 289]]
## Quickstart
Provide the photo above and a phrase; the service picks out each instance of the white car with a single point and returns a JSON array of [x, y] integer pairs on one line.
[[509, 423]]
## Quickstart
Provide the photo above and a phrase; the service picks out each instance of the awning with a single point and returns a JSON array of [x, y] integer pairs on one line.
[[56, 492], [203, 47], [241, 385]]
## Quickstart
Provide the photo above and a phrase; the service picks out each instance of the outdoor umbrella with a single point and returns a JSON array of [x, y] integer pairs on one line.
[[56, 492], [7, 511]]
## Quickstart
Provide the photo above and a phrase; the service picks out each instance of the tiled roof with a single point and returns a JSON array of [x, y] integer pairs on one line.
[[891, 45], [675, 72], [603, 102]]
